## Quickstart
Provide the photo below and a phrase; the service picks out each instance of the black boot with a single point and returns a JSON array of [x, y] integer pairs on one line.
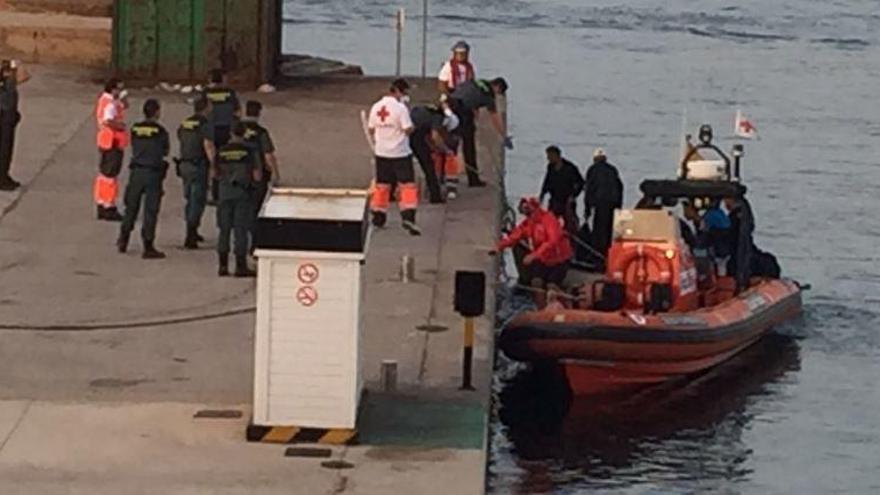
[[122, 242], [192, 239], [223, 268], [241, 268], [112, 214], [151, 253], [102, 213], [379, 218], [409, 222]]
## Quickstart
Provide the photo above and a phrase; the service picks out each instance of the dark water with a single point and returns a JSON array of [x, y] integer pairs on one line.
[[797, 413]]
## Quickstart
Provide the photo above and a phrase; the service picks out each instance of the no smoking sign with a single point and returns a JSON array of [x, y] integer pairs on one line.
[[307, 296], [308, 273]]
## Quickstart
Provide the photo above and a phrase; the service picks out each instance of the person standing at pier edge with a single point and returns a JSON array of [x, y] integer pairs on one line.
[[196, 156], [225, 110], [112, 140], [150, 146], [457, 69], [467, 98], [11, 75], [563, 183], [431, 126], [603, 194], [390, 126], [237, 173], [260, 141]]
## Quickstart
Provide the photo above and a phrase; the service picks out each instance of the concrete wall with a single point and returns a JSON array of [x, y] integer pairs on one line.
[[56, 38], [93, 8]]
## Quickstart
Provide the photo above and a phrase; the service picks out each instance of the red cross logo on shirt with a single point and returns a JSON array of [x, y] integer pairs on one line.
[[383, 114], [746, 126]]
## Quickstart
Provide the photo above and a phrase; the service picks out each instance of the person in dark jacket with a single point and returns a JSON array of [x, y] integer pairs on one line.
[[563, 183], [746, 260], [603, 194]]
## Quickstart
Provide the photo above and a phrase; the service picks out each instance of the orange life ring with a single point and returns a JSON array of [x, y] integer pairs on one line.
[[636, 291]]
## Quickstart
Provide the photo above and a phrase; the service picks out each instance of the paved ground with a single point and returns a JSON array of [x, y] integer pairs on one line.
[[110, 410]]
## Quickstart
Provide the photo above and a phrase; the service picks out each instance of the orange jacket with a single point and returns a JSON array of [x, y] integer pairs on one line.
[[108, 137], [545, 236]]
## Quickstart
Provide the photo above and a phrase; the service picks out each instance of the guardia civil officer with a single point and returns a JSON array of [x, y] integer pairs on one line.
[[226, 109], [150, 146], [11, 75], [237, 174], [259, 140], [466, 100], [197, 151]]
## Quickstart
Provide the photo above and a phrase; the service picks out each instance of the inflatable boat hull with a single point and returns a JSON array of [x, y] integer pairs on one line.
[[609, 352]]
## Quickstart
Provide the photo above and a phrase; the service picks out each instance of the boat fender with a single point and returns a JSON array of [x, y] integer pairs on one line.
[[637, 318]]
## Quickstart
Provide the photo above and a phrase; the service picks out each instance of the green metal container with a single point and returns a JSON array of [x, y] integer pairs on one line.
[[182, 40]]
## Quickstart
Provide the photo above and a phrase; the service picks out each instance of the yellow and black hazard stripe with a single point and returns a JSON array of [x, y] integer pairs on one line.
[[294, 434]]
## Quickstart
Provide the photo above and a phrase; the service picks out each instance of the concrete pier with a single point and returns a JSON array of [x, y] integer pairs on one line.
[[106, 358]]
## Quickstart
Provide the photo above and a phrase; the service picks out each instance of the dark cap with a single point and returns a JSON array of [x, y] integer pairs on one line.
[[500, 83], [400, 85], [217, 75]]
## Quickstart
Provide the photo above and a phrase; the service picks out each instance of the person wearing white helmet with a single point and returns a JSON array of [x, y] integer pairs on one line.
[[603, 193], [457, 69]]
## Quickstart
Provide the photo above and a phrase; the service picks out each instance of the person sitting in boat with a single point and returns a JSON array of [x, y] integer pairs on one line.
[[746, 260], [541, 249]]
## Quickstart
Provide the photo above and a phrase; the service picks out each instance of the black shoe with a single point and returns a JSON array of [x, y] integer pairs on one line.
[[112, 214], [412, 228], [151, 253], [101, 213], [192, 240], [477, 183], [9, 185], [241, 268], [223, 267], [122, 244], [379, 218], [437, 201]]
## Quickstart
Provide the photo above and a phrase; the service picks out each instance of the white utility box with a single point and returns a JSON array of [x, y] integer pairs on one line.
[[311, 245]]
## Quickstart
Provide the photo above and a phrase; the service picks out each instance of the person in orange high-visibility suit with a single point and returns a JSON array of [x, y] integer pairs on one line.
[[541, 248], [112, 140]]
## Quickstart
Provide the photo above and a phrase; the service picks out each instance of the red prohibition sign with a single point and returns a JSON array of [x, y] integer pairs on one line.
[[308, 273], [307, 296]]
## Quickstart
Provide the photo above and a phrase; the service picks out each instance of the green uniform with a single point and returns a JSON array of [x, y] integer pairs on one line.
[[224, 105], [150, 145], [236, 164], [258, 139], [192, 133]]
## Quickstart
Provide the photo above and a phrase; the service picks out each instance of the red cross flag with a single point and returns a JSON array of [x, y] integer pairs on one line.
[[742, 127]]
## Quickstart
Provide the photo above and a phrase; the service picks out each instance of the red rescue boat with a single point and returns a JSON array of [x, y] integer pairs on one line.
[[660, 310]]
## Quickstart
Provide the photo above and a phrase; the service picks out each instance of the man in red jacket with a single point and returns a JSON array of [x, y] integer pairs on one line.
[[547, 251]]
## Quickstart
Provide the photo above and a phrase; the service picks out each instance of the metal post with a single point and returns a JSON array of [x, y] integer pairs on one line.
[[389, 375], [399, 28], [424, 38], [468, 362]]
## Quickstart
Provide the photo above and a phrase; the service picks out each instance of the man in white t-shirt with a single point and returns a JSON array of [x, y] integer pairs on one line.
[[457, 69], [390, 126]]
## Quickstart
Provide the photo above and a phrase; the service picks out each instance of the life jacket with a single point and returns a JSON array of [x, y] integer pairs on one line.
[[456, 66], [109, 138]]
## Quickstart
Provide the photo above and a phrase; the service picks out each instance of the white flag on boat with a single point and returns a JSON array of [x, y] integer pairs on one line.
[[743, 127]]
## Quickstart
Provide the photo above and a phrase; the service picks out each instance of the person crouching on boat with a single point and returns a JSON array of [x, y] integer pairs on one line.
[[539, 244]]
